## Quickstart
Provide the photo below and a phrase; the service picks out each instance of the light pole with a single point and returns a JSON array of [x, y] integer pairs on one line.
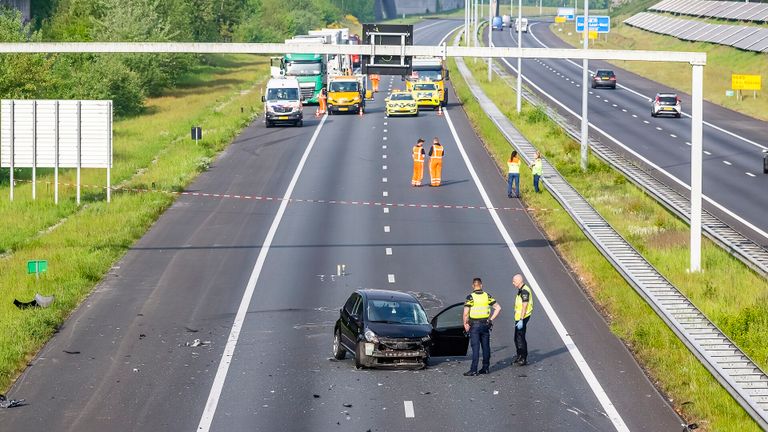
[[519, 59], [490, 38], [466, 23], [584, 97]]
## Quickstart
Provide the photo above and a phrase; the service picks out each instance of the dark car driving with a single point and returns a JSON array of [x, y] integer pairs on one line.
[[383, 328], [604, 78]]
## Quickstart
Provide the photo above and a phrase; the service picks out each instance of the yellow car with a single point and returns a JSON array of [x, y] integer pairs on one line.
[[401, 103], [426, 94]]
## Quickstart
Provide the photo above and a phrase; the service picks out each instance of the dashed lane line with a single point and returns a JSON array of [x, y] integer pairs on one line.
[[391, 278], [408, 406]]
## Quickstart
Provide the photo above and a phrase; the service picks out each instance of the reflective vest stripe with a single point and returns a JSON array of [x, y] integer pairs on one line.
[[437, 152]]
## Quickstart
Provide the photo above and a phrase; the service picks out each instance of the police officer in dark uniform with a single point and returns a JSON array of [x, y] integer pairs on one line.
[[523, 309], [480, 309]]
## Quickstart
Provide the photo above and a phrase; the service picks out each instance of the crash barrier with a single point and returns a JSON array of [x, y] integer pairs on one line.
[[735, 243], [735, 371]]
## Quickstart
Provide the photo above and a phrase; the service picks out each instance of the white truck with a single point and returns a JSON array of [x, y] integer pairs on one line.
[[282, 102], [521, 25]]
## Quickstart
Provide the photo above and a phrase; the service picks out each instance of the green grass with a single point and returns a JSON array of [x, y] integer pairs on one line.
[[722, 61], [731, 295], [82, 243]]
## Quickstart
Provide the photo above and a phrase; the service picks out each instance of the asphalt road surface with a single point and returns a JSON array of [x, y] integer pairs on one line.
[[733, 183], [186, 280]]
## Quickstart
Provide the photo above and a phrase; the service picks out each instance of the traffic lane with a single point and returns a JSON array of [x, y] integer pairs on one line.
[[743, 125], [732, 172], [130, 365], [299, 359], [433, 31], [639, 403]]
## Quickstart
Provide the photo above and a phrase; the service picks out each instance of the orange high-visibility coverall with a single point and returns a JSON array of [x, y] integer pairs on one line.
[[375, 81], [436, 163], [418, 165], [322, 101]]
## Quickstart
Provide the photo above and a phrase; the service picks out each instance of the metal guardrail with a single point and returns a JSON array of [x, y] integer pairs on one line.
[[737, 373], [735, 243]]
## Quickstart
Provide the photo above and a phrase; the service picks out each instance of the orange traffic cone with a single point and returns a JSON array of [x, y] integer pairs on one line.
[[317, 112], [439, 110], [360, 111]]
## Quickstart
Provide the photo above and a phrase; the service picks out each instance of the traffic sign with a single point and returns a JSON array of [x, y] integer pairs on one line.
[[37, 266], [567, 13], [560, 19], [745, 82], [598, 23]]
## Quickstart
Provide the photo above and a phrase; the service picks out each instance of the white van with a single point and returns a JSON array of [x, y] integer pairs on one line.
[[521, 25], [282, 102], [506, 21]]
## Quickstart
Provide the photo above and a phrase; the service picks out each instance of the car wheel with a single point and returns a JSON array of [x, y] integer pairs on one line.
[[300, 123], [653, 114], [268, 124], [361, 360], [678, 115], [339, 352]]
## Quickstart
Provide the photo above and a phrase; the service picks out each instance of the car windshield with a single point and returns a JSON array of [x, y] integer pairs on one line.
[[671, 100], [396, 312], [604, 73], [299, 69], [343, 86], [401, 97], [283, 94], [434, 75], [424, 87]]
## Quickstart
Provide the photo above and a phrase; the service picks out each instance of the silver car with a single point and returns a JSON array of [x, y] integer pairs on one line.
[[666, 104]]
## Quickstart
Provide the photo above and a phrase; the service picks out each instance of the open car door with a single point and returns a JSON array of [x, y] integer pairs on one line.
[[448, 338]]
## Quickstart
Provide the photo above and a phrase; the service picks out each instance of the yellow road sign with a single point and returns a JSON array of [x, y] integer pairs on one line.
[[745, 82], [559, 19], [593, 34]]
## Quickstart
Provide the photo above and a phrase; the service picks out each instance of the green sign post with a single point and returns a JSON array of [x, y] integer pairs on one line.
[[37, 267]]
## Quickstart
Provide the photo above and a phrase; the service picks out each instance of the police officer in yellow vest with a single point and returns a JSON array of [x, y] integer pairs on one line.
[[480, 309], [523, 309]]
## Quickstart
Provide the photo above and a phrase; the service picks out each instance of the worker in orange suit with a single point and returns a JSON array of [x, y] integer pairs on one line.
[[375, 81], [321, 99], [436, 153], [418, 163]]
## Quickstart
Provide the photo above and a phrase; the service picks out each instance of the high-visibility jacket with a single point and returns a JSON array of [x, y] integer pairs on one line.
[[514, 165], [537, 167], [524, 295], [418, 153], [436, 152], [479, 304]]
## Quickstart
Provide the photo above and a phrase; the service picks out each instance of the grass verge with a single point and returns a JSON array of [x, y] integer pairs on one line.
[[731, 295], [81, 243], [722, 61]]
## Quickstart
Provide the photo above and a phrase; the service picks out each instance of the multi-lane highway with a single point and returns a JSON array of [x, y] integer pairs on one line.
[[734, 184], [255, 281]]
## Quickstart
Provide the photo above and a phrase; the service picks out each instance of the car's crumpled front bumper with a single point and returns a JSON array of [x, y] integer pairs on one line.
[[396, 352]]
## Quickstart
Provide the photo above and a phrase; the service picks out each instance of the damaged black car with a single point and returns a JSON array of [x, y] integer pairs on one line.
[[383, 328]]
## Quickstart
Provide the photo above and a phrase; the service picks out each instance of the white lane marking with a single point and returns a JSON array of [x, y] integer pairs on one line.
[[383, 179], [614, 105], [384, 167], [727, 163], [384, 147], [383, 156], [687, 143], [234, 334], [633, 115], [707, 153], [391, 278], [658, 128], [623, 110], [386, 228], [673, 135], [385, 138], [713, 126], [589, 376], [408, 405], [749, 174], [388, 251], [644, 121], [386, 209], [385, 123], [641, 157], [385, 193], [385, 130]]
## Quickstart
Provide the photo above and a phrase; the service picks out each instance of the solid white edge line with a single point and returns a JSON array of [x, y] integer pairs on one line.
[[229, 350], [586, 371], [713, 126], [642, 158], [408, 406]]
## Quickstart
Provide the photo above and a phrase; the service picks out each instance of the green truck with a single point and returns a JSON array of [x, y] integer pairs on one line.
[[309, 70]]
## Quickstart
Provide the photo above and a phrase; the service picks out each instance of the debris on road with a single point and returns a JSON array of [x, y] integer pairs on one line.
[[316, 396], [347, 405], [39, 301], [71, 352], [196, 343], [10, 403]]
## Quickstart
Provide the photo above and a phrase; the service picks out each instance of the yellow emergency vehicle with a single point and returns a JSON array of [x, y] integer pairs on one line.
[[426, 94], [429, 69], [345, 94], [401, 103]]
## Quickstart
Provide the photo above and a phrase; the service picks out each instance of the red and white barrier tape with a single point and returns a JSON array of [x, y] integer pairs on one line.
[[301, 200]]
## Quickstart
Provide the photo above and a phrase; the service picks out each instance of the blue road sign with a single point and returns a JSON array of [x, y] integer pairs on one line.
[[598, 23]]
